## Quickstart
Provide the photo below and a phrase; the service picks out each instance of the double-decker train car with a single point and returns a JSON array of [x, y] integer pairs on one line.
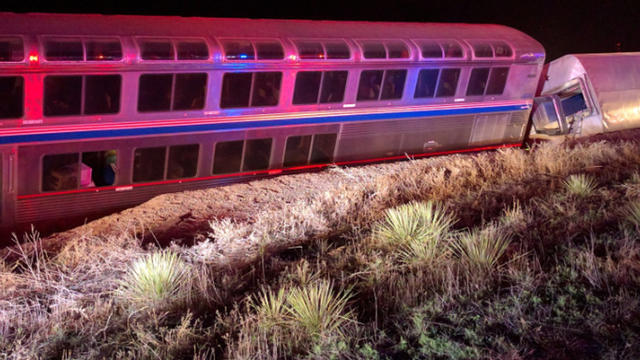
[[98, 113]]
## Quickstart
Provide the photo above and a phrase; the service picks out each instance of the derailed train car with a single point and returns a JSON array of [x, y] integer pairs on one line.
[[586, 94], [98, 113]]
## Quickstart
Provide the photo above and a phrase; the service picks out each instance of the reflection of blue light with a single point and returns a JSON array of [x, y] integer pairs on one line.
[[243, 56]]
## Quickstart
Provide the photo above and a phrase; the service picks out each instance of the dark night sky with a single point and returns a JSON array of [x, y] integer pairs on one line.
[[561, 26]]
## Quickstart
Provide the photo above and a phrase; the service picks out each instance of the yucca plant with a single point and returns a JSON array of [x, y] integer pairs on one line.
[[317, 310], [154, 280], [580, 185], [633, 213], [270, 308], [414, 221], [481, 249]]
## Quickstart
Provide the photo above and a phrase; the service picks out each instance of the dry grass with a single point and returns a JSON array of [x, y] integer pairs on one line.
[[512, 220]]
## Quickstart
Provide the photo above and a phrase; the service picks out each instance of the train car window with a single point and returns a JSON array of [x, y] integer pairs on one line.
[[236, 89], [393, 84], [397, 50], [482, 50], [60, 172], [103, 50], [451, 49], [102, 94], [373, 50], [98, 168], [502, 49], [323, 147], [238, 50], [477, 81], [189, 92], [11, 49], [228, 157], [307, 87], [430, 50], [148, 164], [155, 92], [448, 82], [369, 86], [63, 50], [192, 50], [269, 50], [497, 80], [62, 95], [183, 161], [297, 150], [333, 86], [310, 50], [12, 95], [426, 86], [337, 50], [257, 154], [266, 88], [157, 50]]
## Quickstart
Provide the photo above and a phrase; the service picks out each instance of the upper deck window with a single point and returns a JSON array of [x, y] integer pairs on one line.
[[393, 49], [448, 82], [452, 49], [502, 49], [391, 82], [11, 49], [238, 50], [307, 87], [373, 50], [12, 95], [64, 50], [270, 50], [320, 50], [430, 50], [250, 89], [156, 50], [103, 50], [192, 50], [63, 94], [171, 92], [242, 50], [482, 50], [485, 81]]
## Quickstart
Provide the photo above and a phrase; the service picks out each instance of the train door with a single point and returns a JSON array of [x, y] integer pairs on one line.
[[8, 168]]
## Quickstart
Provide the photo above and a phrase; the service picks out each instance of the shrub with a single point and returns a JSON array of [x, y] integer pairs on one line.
[[580, 185], [270, 308], [155, 280], [480, 249], [633, 213], [317, 310]]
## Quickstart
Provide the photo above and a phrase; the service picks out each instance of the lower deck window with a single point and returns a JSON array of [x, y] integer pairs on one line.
[[79, 170], [257, 154], [448, 82], [183, 161], [228, 157], [316, 149], [148, 164]]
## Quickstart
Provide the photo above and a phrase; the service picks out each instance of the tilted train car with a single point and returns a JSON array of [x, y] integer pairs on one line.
[[98, 113], [586, 94]]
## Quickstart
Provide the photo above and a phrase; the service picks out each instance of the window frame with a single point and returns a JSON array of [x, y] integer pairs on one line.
[[83, 77], [319, 101], [323, 44], [241, 169], [167, 149], [382, 83], [138, 40], [491, 43], [25, 56], [310, 148], [116, 179], [23, 107], [490, 69], [173, 89], [440, 41], [408, 45], [252, 41], [42, 42], [251, 90]]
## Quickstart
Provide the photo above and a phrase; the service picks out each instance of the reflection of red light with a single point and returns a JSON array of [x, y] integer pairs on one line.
[[100, 57], [33, 58]]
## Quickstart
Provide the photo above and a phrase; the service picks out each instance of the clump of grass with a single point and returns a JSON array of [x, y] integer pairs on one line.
[[270, 308], [481, 249], [317, 310], [416, 229], [580, 185], [154, 280], [633, 213]]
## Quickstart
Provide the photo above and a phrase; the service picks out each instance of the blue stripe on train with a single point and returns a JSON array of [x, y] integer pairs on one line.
[[92, 134]]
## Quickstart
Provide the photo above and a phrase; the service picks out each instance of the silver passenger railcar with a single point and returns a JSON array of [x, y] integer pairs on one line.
[[98, 113]]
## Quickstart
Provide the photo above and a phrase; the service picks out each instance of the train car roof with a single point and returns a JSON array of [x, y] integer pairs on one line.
[[612, 80], [175, 26]]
